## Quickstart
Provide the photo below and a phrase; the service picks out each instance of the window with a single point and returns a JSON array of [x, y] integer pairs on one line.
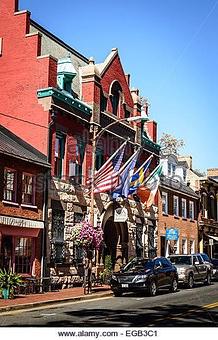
[[176, 205], [184, 175], [192, 246], [173, 169], [115, 97], [28, 190], [184, 215], [191, 210], [23, 255], [58, 235], [164, 203], [10, 184], [59, 155], [127, 112], [169, 169], [200, 259], [103, 103], [99, 159], [184, 246]]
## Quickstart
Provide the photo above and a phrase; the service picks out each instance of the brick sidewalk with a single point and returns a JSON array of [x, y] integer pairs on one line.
[[68, 294]]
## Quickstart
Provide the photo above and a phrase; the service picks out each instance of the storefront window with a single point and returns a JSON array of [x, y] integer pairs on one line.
[[23, 255], [28, 189], [10, 182]]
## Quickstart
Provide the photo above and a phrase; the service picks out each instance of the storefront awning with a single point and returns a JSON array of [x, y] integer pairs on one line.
[[213, 237]]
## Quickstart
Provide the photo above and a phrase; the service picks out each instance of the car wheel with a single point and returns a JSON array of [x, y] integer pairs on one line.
[[118, 293], [208, 279], [190, 283], [153, 288], [174, 286]]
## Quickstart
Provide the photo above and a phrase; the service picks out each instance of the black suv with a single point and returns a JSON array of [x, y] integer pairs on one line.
[[145, 275]]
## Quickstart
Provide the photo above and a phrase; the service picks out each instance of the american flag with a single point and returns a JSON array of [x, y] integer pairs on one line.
[[107, 177]]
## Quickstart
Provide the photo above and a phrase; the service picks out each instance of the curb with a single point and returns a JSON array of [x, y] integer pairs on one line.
[[55, 302]]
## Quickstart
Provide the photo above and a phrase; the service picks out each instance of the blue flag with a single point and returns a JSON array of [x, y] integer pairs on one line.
[[123, 188]]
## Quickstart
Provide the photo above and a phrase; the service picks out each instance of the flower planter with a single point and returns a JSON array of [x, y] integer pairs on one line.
[[5, 293]]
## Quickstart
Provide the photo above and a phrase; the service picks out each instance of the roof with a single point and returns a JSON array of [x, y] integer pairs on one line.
[[177, 186], [12, 145]]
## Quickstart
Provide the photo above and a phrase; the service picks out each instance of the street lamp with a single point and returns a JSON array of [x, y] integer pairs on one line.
[[95, 139]]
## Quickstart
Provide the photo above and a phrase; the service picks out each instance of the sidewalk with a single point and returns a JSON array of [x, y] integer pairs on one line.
[[48, 298]]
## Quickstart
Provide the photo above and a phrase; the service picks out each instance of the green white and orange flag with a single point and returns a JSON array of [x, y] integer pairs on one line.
[[152, 183]]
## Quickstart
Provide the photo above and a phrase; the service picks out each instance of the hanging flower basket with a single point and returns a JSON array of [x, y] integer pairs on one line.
[[87, 237]]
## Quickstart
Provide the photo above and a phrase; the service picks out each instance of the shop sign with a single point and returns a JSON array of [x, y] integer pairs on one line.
[[20, 222], [172, 234], [120, 214]]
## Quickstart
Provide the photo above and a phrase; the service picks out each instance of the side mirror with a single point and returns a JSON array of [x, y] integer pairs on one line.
[[157, 267]]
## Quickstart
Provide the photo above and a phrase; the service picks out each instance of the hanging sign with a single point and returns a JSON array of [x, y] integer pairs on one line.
[[120, 214]]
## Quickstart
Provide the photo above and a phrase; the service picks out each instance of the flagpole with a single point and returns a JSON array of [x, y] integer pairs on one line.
[[151, 174], [127, 162], [143, 164]]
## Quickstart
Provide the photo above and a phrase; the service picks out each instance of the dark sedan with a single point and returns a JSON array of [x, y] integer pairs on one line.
[[145, 275]]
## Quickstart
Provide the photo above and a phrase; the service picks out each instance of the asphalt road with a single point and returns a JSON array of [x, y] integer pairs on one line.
[[186, 308]]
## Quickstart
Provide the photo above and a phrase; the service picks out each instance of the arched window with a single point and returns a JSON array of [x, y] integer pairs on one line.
[[115, 95]]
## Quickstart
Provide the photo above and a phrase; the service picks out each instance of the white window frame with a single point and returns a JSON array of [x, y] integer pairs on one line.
[[192, 211], [165, 194], [176, 198], [184, 208]]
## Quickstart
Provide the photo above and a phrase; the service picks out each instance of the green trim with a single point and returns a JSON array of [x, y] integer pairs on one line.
[[75, 103], [146, 141]]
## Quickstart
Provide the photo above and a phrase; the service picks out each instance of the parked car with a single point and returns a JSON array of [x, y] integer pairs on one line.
[[208, 262], [191, 269], [145, 275], [215, 268]]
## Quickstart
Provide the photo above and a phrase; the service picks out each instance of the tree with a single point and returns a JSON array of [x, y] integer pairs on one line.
[[170, 144]]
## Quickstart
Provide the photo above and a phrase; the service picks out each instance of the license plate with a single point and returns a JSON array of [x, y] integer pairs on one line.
[[124, 285]]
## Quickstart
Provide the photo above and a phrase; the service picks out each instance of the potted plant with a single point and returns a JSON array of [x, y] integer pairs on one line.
[[9, 281]]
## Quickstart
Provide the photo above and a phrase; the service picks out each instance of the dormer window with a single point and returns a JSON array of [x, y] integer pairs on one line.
[[115, 95], [66, 73]]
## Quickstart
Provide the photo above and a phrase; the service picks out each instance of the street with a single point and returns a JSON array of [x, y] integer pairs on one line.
[[197, 307]]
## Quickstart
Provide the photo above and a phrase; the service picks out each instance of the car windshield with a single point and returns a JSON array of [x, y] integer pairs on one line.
[[205, 257], [138, 264], [180, 259]]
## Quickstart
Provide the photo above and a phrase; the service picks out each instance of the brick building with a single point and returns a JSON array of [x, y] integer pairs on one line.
[[206, 185], [178, 209], [59, 97], [22, 202]]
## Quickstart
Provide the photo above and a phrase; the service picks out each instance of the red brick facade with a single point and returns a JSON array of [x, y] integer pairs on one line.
[[22, 72], [188, 228]]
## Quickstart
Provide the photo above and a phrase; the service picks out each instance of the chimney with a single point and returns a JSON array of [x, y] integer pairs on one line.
[[127, 78], [152, 130]]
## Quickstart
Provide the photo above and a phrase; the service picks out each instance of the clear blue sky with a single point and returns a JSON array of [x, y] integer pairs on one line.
[[170, 48]]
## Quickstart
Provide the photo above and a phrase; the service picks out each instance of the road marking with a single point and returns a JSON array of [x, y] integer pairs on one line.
[[48, 314], [179, 315], [212, 305]]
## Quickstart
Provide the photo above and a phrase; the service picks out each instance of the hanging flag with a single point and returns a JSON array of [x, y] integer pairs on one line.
[[152, 184], [106, 178], [125, 176], [138, 177]]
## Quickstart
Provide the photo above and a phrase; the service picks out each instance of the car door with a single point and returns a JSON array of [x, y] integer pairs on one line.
[[159, 273], [167, 270], [202, 268], [196, 269]]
